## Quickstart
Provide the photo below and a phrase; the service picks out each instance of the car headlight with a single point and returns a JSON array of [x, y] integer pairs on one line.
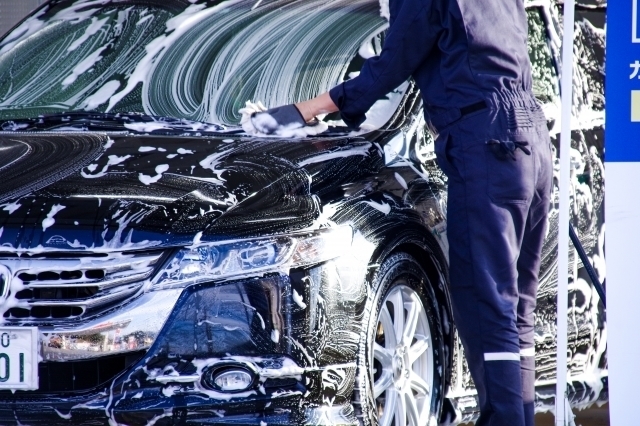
[[224, 260]]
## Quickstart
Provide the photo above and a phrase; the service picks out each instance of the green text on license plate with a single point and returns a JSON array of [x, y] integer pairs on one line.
[[19, 358]]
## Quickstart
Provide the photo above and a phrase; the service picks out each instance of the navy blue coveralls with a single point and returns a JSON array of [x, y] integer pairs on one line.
[[471, 63]]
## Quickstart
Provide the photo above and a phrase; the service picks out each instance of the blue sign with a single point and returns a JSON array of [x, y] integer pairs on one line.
[[622, 90]]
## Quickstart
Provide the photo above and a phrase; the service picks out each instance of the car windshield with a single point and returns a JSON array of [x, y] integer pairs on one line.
[[196, 60]]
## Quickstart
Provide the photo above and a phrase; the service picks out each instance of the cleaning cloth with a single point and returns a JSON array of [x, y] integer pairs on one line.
[[285, 121]]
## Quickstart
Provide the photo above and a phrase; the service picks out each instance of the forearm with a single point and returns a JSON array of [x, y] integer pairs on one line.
[[322, 104]]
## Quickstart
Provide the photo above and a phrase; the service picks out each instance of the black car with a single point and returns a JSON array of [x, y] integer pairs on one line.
[[160, 267]]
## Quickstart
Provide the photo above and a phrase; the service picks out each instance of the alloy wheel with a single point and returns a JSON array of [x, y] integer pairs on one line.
[[402, 364]]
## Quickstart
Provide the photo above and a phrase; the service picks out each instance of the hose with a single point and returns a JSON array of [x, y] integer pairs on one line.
[[587, 265]]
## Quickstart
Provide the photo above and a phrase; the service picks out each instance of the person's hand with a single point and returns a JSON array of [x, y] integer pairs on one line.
[[285, 121]]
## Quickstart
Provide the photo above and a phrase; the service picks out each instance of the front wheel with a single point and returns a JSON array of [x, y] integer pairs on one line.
[[401, 363]]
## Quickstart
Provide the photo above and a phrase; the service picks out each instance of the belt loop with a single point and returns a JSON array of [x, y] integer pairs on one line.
[[451, 115], [469, 109]]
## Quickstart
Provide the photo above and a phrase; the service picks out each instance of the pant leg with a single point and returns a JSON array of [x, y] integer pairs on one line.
[[488, 209], [528, 274]]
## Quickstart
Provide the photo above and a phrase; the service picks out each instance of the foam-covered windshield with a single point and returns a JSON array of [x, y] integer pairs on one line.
[[199, 60]]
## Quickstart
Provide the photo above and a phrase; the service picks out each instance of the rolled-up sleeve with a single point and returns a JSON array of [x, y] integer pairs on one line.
[[408, 42]]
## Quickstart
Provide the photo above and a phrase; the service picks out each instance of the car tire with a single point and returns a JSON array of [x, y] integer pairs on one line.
[[401, 357]]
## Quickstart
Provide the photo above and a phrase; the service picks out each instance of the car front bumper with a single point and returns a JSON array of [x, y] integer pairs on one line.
[[303, 373]]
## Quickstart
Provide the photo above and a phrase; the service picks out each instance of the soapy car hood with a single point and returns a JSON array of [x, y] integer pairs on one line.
[[115, 192]]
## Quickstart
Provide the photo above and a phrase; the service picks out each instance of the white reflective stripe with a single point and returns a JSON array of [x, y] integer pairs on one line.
[[501, 356], [528, 352]]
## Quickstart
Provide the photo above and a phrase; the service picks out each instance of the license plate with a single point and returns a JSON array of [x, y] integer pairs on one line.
[[19, 358]]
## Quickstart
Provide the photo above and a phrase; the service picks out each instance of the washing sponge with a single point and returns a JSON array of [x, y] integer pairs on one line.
[[285, 121]]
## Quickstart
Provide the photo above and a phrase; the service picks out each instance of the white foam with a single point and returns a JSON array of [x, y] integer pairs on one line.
[[196, 238], [101, 96], [148, 180], [64, 416], [381, 207], [85, 65], [298, 299], [359, 150], [212, 162], [10, 207], [176, 27], [384, 9], [49, 220], [113, 161], [93, 28], [401, 180], [146, 127], [144, 19]]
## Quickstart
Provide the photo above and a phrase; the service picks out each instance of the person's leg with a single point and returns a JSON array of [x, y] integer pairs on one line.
[[528, 270], [528, 266], [486, 216]]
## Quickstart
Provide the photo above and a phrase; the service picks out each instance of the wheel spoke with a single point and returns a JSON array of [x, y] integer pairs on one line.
[[383, 383], [419, 385], [388, 410], [401, 413], [390, 339], [413, 416], [398, 313], [414, 309], [418, 348], [383, 356]]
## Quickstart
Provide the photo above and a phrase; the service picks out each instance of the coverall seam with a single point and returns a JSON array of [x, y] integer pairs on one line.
[[474, 290], [466, 39]]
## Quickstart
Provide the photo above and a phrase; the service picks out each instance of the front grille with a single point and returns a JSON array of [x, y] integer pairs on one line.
[[51, 290], [74, 376]]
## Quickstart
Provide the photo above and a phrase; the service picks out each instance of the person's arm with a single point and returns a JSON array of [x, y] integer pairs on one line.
[[322, 104], [408, 42]]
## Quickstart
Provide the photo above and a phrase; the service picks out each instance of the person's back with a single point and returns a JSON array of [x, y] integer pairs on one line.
[[457, 51], [481, 47]]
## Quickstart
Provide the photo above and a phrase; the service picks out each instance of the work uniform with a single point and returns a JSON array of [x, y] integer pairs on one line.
[[471, 63]]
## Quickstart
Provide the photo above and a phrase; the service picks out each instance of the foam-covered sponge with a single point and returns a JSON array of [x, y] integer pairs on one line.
[[285, 121]]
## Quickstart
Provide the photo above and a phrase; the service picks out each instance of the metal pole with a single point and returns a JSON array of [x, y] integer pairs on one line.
[[566, 87]]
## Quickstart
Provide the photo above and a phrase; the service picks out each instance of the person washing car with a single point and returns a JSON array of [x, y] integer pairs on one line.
[[470, 61]]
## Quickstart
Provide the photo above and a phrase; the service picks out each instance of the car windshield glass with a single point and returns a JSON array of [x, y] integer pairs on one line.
[[196, 60]]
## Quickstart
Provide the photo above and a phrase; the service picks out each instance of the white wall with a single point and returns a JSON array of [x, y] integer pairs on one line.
[[623, 290]]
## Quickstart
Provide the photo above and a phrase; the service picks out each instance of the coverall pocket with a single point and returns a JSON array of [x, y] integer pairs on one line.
[[511, 169]]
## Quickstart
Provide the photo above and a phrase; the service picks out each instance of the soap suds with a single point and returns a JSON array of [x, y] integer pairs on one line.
[[148, 180], [49, 220]]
